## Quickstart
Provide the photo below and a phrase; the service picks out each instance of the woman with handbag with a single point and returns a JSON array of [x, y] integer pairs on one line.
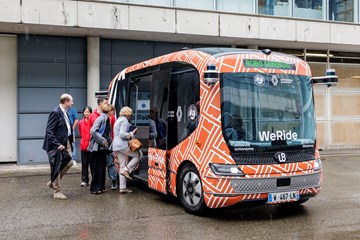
[[100, 145], [122, 136]]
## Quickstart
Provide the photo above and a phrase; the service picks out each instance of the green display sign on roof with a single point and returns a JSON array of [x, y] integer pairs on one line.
[[252, 63]]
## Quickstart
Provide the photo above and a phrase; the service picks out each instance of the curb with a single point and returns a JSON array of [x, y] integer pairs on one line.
[[339, 152], [13, 170]]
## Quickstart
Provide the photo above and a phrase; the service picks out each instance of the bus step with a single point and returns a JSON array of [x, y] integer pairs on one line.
[[142, 176]]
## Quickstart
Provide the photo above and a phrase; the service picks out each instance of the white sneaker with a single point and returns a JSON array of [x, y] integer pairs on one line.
[[84, 184], [59, 195], [50, 185], [74, 163], [125, 190]]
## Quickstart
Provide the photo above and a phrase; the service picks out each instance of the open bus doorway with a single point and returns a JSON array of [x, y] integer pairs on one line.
[[148, 97]]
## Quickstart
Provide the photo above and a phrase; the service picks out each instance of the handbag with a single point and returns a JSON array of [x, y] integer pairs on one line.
[[135, 144]]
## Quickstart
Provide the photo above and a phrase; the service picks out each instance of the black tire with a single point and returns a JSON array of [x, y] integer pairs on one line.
[[190, 191]]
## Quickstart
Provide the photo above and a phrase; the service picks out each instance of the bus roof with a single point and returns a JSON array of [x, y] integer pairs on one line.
[[218, 52], [198, 57]]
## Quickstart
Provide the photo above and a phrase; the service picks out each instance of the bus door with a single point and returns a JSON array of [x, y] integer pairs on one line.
[[118, 95], [158, 131], [139, 102], [119, 99]]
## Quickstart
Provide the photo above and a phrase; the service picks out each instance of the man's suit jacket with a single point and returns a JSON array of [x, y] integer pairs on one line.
[[56, 131]]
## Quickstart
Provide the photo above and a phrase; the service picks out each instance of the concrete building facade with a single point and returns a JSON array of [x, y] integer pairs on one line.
[[53, 46]]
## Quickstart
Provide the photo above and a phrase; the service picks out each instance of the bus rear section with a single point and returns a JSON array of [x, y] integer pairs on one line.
[[239, 125]]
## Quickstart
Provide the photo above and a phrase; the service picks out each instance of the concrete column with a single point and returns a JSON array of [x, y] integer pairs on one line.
[[8, 96], [93, 70]]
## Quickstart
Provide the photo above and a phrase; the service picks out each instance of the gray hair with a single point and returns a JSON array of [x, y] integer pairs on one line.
[[65, 98]]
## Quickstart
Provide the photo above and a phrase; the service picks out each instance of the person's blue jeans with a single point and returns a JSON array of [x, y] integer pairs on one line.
[[112, 173], [73, 151]]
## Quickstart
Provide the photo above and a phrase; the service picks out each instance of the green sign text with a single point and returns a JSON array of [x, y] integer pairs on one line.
[[250, 63]]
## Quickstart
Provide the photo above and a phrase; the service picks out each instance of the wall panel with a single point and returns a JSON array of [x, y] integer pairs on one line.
[[48, 66]]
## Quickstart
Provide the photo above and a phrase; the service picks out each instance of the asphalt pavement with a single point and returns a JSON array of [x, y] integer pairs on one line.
[[28, 210]]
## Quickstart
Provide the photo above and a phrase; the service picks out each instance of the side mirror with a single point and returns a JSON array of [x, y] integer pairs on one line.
[[330, 79]]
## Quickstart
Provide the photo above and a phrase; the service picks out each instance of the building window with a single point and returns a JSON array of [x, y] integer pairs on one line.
[[274, 7], [313, 9], [245, 6], [203, 4], [153, 2], [341, 10]]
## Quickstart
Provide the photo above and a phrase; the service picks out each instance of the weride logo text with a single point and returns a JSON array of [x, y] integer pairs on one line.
[[278, 135]]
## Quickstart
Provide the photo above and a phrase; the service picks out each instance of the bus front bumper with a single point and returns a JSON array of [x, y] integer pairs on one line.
[[235, 190]]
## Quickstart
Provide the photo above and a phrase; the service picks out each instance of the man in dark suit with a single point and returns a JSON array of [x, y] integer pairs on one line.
[[59, 136]]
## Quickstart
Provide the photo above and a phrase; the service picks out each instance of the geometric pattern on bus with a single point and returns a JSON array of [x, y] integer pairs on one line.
[[157, 169], [212, 147], [217, 202]]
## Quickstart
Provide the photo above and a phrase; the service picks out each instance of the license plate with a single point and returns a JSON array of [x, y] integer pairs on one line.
[[283, 197]]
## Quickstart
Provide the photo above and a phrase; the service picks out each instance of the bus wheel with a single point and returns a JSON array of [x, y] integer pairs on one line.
[[190, 190]]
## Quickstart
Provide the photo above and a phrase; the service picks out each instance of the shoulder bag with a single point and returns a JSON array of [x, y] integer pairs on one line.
[[135, 145]]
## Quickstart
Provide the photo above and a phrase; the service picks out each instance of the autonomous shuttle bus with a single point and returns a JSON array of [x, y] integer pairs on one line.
[[232, 125]]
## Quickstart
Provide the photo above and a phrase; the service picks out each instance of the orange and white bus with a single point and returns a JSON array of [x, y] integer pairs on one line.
[[232, 125]]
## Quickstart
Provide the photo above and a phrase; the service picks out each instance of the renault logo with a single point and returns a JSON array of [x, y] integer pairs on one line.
[[274, 80]]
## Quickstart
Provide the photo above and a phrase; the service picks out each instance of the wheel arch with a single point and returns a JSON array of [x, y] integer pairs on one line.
[[190, 198], [178, 170]]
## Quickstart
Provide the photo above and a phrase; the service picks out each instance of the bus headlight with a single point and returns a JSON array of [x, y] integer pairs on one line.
[[317, 165], [226, 169]]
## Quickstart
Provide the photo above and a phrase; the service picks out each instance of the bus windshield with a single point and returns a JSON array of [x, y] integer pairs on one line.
[[266, 112]]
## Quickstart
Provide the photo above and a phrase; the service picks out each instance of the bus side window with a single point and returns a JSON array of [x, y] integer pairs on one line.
[[120, 95], [184, 103]]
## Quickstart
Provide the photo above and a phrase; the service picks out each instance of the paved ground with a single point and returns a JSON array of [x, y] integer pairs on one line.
[[28, 211]]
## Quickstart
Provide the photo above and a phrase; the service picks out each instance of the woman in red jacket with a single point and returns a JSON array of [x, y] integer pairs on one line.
[[84, 129]]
